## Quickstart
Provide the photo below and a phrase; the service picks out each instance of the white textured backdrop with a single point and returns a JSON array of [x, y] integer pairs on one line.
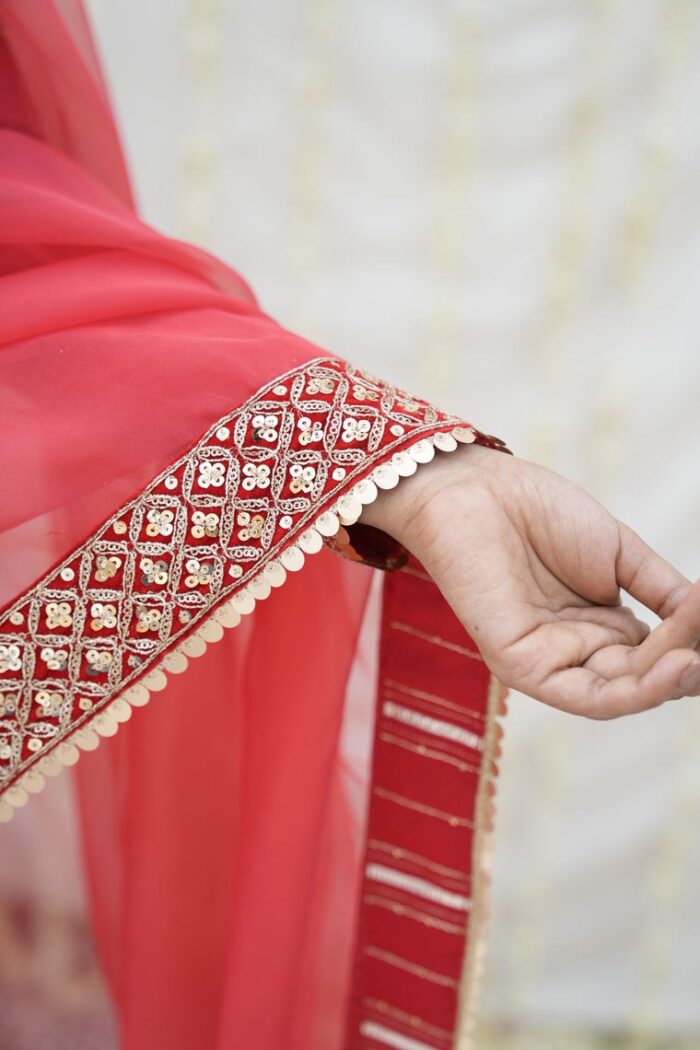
[[495, 204]]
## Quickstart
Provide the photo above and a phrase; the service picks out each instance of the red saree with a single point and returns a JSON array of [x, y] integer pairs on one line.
[[173, 456]]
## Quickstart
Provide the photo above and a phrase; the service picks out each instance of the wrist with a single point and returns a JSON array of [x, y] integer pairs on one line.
[[411, 511]]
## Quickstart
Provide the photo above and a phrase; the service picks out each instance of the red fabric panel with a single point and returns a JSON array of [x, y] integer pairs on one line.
[[410, 948]]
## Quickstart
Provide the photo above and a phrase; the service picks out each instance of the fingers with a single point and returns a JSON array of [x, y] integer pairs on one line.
[[619, 619], [583, 635], [579, 690], [603, 666], [680, 630], [647, 576]]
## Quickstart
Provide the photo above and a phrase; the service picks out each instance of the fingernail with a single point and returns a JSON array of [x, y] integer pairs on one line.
[[690, 679]]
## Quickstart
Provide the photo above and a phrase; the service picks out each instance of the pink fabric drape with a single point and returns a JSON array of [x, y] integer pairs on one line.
[[223, 830], [217, 899]]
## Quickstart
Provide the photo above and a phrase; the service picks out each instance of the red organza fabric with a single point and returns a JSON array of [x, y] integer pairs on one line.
[[118, 348], [222, 828]]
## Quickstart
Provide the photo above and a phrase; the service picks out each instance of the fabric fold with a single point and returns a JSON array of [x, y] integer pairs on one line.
[[171, 457]]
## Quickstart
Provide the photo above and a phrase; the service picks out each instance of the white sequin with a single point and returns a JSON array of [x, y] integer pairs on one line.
[[199, 573], [58, 614], [55, 659], [252, 526], [310, 432], [10, 658], [106, 568], [319, 385], [355, 429], [302, 478], [422, 451], [160, 522], [211, 474], [256, 476], [445, 442], [265, 428]]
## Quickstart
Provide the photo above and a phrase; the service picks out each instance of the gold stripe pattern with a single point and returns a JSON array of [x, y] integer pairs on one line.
[[412, 913], [434, 639], [420, 807], [410, 967], [404, 854], [412, 1020], [420, 694], [428, 752]]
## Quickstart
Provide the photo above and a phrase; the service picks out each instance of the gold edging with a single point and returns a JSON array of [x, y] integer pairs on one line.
[[468, 989], [346, 510]]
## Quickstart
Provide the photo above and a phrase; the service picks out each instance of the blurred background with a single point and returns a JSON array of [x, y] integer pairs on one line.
[[494, 205]]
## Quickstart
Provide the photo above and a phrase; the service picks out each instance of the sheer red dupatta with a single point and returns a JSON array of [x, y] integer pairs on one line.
[[171, 456]]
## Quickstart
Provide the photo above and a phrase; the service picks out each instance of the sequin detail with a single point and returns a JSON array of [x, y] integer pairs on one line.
[[216, 519]]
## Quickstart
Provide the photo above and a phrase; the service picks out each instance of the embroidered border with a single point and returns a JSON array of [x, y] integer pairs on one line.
[[215, 531]]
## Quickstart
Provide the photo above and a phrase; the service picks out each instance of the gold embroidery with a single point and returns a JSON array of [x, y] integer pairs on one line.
[[434, 639], [419, 807], [412, 913], [410, 967], [158, 568], [419, 694], [428, 752], [412, 1020], [405, 854]]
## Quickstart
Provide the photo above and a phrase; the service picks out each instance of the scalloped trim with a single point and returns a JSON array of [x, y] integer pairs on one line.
[[345, 511], [484, 818]]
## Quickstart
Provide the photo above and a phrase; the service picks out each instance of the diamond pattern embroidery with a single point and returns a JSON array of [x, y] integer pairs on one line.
[[194, 537]]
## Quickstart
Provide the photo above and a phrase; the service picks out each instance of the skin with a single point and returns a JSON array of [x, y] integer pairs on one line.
[[533, 566]]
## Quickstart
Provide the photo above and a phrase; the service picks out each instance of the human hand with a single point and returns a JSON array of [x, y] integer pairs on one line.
[[533, 567]]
